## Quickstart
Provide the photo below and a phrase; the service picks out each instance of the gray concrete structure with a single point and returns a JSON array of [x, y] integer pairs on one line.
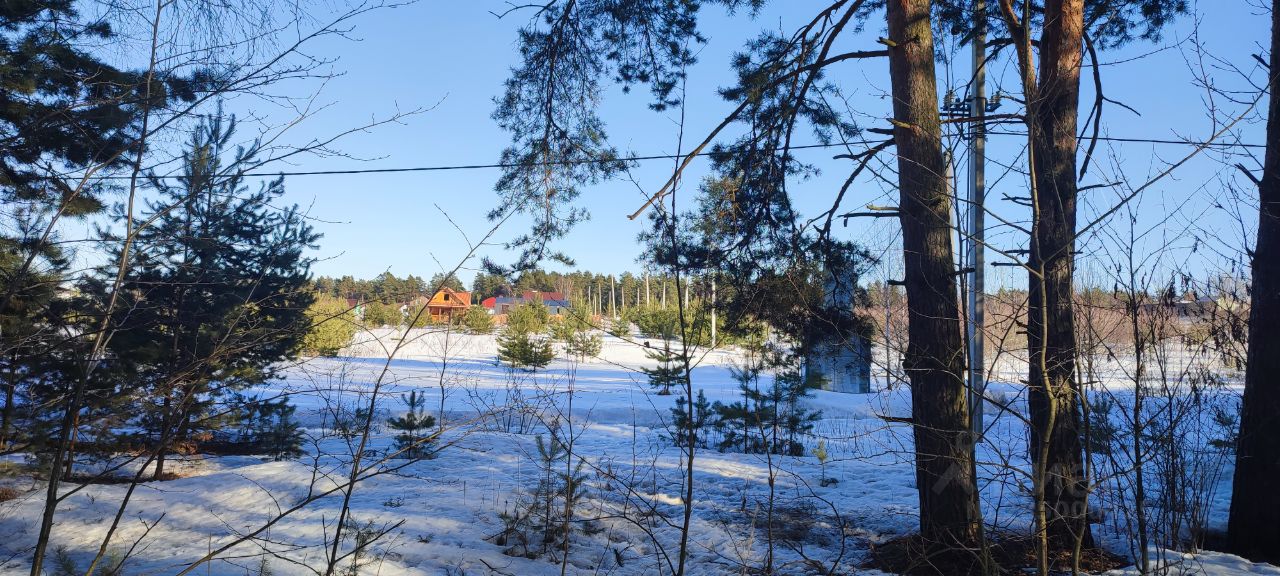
[[842, 360]]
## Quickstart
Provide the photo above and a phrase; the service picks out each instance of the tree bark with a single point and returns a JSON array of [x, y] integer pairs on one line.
[[1253, 529], [935, 354], [1054, 395]]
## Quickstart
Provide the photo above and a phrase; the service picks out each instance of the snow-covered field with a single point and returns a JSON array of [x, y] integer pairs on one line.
[[441, 515]]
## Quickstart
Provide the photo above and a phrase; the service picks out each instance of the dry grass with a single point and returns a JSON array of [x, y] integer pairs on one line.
[[1007, 554]]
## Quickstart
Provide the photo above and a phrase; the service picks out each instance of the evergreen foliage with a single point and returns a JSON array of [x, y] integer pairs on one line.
[[65, 106], [28, 348], [268, 427], [820, 452], [216, 294], [770, 419], [349, 418], [539, 521], [528, 318], [670, 370], [332, 327], [692, 424], [440, 281], [386, 288], [486, 285], [412, 437], [656, 322], [378, 314], [575, 332], [66, 109], [419, 317], [478, 320], [522, 350], [1103, 431], [583, 345]]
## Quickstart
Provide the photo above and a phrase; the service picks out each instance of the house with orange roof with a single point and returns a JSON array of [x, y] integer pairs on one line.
[[448, 303]]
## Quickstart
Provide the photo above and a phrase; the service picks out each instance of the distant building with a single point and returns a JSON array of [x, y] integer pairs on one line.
[[448, 303], [555, 302], [841, 357], [356, 305]]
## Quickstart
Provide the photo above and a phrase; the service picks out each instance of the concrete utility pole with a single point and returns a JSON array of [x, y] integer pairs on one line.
[[647, 301], [613, 298], [977, 225]]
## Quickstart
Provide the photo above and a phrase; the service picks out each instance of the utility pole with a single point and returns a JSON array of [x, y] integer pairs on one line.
[[713, 311], [977, 225]]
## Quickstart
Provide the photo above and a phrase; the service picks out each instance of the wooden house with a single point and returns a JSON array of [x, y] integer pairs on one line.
[[448, 303]]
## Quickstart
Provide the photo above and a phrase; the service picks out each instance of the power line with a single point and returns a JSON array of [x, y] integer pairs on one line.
[[1154, 141], [443, 168], [451, 167]]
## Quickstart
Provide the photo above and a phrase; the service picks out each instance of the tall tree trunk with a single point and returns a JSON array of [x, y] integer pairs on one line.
[[1254, 526], [1054, 395], [69, 464], [935, 353]]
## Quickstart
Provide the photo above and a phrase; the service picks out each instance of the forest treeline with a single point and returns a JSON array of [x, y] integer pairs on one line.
[[625, 290]]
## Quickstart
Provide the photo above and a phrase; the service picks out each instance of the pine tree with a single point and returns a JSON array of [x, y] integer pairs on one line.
[[702, 415], [216, 293], [378, 314], [558, 491], [575, 332], [65, 108], [767, 419], [276, 432], [28, 318], [669, 372], [332, 327], [528, 318], [583, 345], [520, 350], [412, 438], [478, 321], [820, 452]]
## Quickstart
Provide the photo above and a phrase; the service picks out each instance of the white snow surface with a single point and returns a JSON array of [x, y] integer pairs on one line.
[[442, 514]]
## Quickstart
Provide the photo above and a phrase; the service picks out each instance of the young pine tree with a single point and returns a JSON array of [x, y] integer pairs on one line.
[[478, 321], [669, 371], [412, 438], [216, 293], [702, 415], [558, 491], [768, 418], [521, 350], [332, 326], [276, 433]]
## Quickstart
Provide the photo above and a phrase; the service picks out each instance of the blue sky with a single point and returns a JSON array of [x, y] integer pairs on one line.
[[453, 57]]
